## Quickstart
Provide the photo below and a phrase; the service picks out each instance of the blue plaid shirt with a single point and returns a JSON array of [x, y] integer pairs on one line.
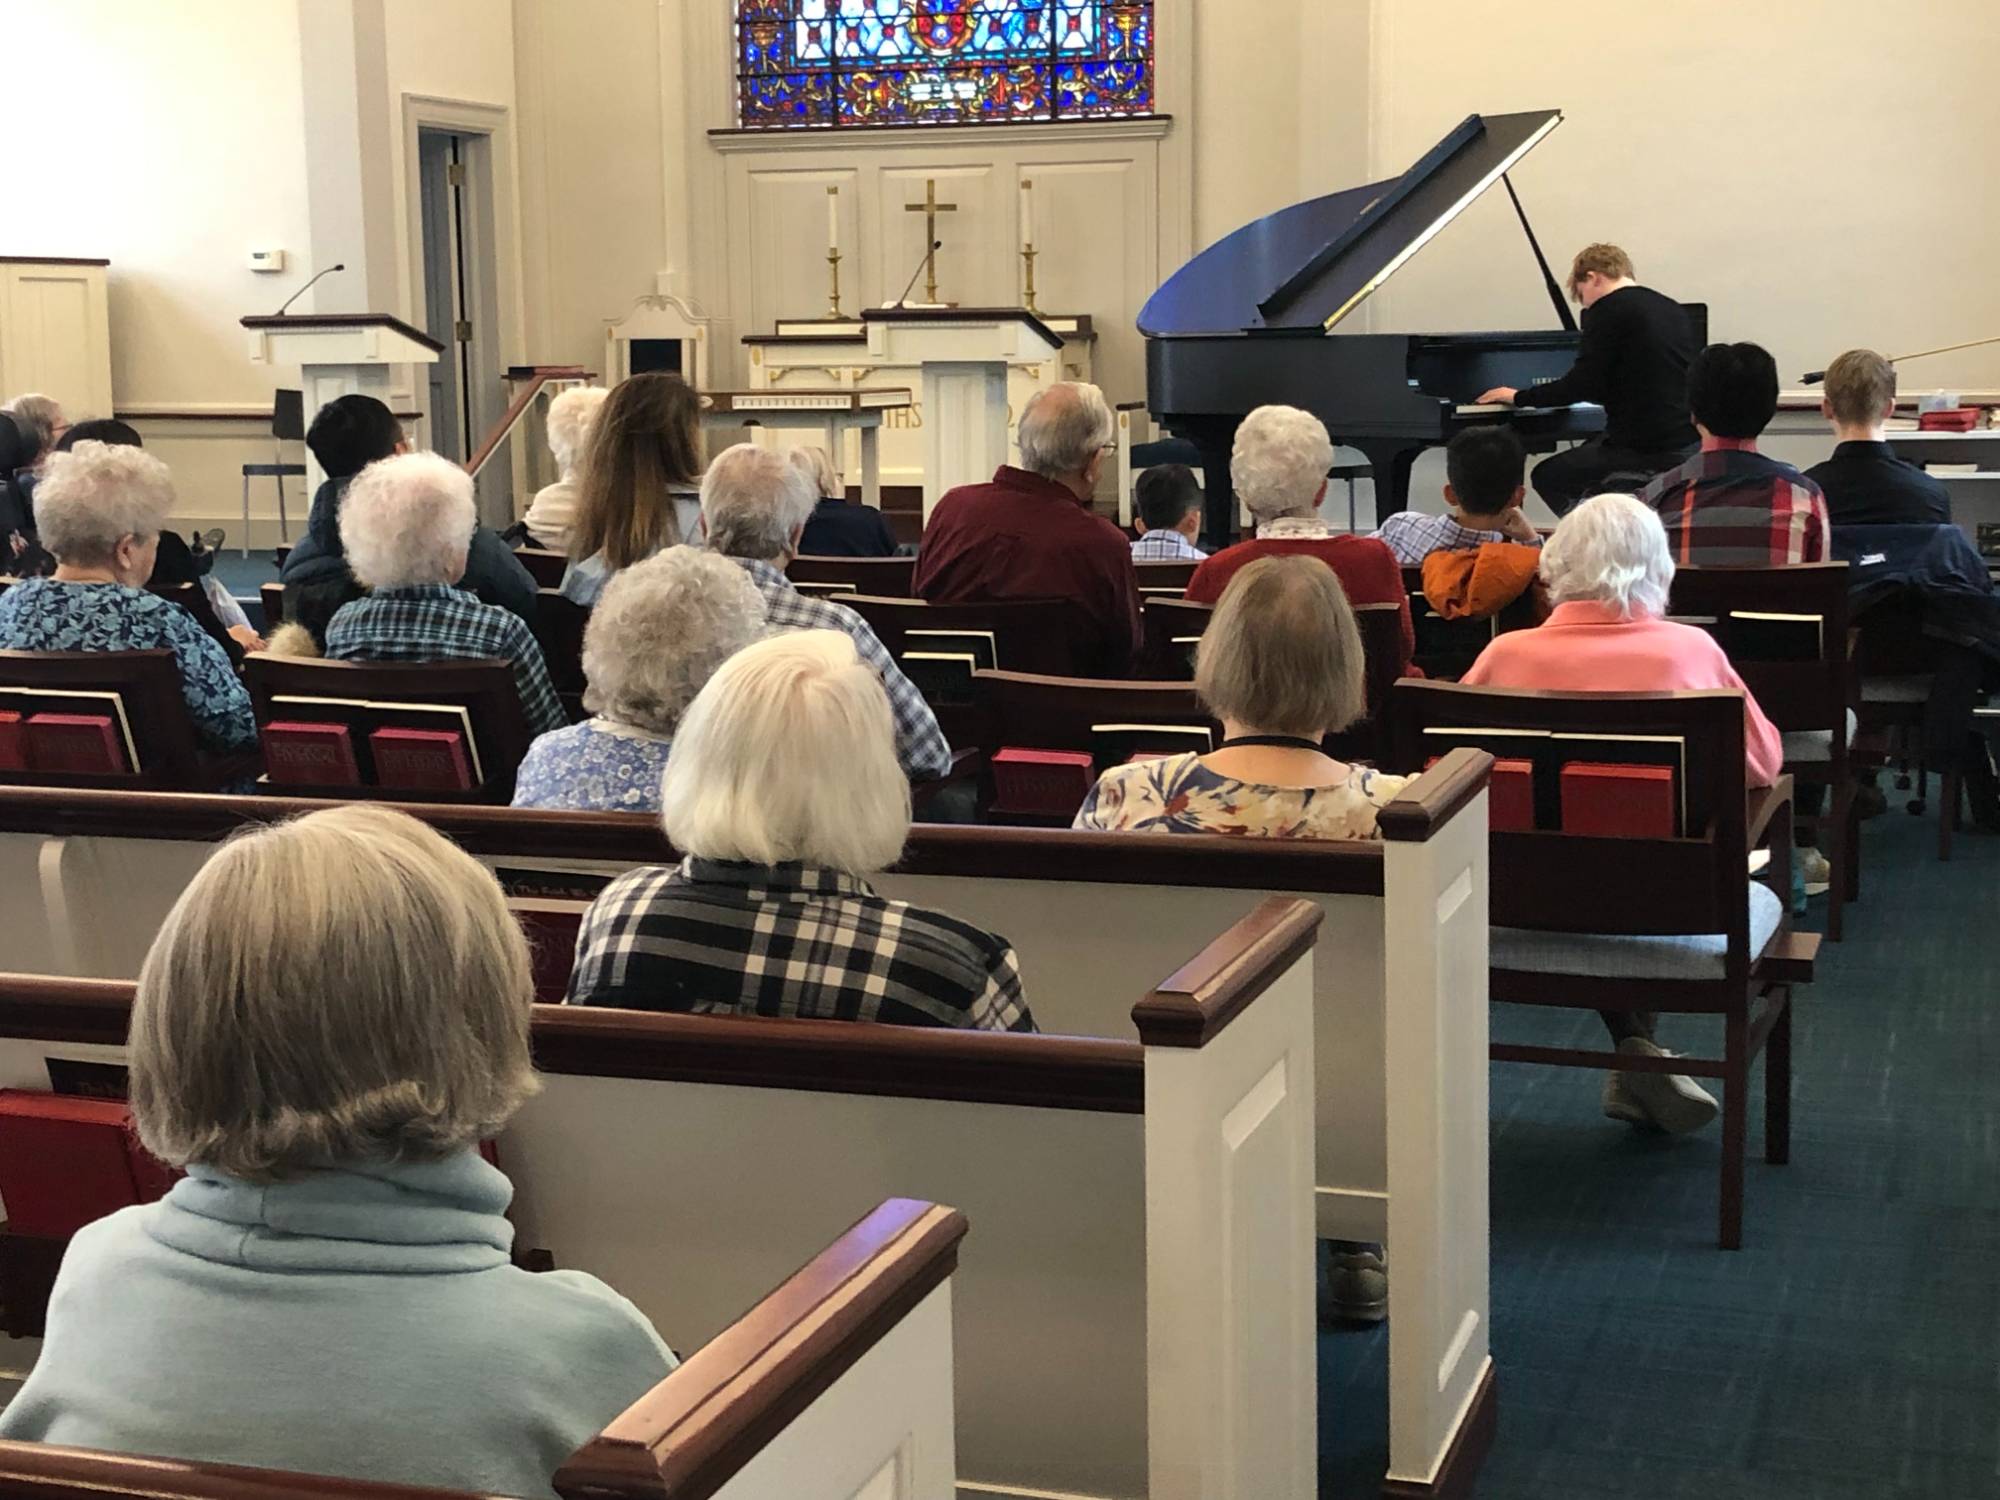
[[920, 744], [436, 622], [1413, 536], [1165, 545]]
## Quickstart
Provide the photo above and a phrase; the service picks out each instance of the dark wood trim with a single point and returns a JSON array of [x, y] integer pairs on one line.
[[843, 1057], [952, 314], [778, 134], [44, 1009], [694, 1431], [42, 1471], [803, 338], [1194, 1003], [1458, 1472], [52, 260], [1434, 798], [272, 323], [1215, 861]]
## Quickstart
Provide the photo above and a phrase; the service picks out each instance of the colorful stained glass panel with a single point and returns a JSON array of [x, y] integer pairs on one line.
[[835, 63]]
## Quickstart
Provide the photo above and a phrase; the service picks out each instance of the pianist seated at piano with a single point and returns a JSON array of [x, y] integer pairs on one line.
[[1483, 468], [1633, 361], [332, 1018], [1278, 467]]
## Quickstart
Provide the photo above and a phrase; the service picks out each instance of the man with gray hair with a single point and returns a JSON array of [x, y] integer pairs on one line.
[[1031, 533], [755, 502]]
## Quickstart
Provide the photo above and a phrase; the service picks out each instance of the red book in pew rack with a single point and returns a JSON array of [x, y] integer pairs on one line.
[[1510, 795], [65, 1161], [302, 754], [421, 760], [1041, 783], [13, 742], [83, 744], [1632, 802]]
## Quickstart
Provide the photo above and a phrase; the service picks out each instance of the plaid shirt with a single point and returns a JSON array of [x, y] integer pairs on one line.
[[920, 744], [1730, 506], [1165, 545], [717, 937], [435, 622], [1414, 536]]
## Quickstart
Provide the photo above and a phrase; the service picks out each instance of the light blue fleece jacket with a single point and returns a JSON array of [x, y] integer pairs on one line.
[[362, 1322]]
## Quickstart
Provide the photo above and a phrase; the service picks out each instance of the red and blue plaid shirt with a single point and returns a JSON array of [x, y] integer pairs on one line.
[[1730, 506]]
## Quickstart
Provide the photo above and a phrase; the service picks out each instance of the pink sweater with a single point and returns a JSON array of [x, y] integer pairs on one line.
[[1586, 648]]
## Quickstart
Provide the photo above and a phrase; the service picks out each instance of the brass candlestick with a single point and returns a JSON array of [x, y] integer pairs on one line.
[[833, 280], [1028, 289]]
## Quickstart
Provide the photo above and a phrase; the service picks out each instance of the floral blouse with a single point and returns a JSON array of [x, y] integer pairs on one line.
[[1178, 794], [40, 614], [595, 766]]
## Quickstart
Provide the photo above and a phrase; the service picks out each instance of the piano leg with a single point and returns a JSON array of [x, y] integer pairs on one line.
[[1392, 460]]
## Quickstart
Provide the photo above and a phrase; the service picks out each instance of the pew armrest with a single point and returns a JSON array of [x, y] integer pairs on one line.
[[1790, 958], [1764, 804]]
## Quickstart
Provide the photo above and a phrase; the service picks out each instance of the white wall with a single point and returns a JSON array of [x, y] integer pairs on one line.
[[1813, 173]]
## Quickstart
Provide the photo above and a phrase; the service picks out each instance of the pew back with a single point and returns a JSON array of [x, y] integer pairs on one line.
[[128, 721]]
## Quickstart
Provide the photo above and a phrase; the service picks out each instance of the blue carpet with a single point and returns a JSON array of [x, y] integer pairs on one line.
[[1851, 1349]]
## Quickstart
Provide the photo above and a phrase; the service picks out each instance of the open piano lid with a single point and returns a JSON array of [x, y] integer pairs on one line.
[[1310, 265]]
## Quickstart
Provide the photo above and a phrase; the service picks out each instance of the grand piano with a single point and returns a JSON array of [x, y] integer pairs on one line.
[[1255, 319]]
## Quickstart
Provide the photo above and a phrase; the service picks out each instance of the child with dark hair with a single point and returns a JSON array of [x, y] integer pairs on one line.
[[1169, 515], [1729, 505], [1484, 485]]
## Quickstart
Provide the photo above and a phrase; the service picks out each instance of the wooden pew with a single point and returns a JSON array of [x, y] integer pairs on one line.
[[881, 577], [1135, 1315], [835, 1384], [1402, 993], [137, 695]]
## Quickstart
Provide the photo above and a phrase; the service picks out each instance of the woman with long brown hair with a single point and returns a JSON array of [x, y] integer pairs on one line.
[[639, 489]]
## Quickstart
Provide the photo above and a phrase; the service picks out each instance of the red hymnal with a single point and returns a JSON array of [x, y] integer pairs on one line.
[[424, 760], [302, 754], [1510, 795], [1957, 419], [65, 1161], [13, 742], [1630, 802], [1042, 783], [78, 743]]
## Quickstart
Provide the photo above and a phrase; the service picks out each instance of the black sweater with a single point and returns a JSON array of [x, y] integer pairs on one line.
[[1633, 362]]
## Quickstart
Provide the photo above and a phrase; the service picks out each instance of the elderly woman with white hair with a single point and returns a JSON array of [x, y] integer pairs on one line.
[[1030, 532], [783, 796], [754, 506], [838, 528], [549, 514], [406, 524], [1608, 570], [1279, 467], [659, 631], [100, 509], [332, 1019]]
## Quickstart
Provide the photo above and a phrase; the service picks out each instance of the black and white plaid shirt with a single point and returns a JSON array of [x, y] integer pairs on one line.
[[715, 937]]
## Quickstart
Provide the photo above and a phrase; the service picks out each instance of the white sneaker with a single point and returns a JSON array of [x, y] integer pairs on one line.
[[1672, 1102], [1814, 870]]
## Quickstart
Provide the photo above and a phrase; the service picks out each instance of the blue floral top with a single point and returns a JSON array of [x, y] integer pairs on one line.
[[40, 614], [1178, 794], [595, 766]]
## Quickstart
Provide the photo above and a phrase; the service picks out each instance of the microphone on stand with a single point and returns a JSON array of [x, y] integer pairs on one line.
[[910, 285], [337, 266]]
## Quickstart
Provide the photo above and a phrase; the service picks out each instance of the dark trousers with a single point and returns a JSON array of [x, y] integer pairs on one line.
[[1562, 479]]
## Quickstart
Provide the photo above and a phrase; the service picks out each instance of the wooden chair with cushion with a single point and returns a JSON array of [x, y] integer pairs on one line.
[[113, 719], [882, 577], [1898, 670], [1172, 626], [1786, 632], [272, 597], [1029, 635], [1167, 578], [445, 731], [1670, 924]]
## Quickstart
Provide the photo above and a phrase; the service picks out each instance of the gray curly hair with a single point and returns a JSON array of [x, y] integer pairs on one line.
[[1612, 549], [660, 630], [97, 494], [1280, 461]]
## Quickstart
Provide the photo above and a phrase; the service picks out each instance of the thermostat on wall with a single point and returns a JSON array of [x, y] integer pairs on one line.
[[267, 260]]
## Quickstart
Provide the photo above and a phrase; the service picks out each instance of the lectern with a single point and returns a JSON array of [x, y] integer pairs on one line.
[[964, 354], [341, 354]]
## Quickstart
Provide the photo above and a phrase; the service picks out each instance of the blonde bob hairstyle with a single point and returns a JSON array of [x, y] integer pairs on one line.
[[1610, 550], [94, 496], [660, 630], [817, 465], [570, 418], [407, 521], [1279, 462], [1282, 654], [789, 754], [345, 987]]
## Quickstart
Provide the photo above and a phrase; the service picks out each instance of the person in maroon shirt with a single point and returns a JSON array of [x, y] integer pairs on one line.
[[1031, 534], [1278, 468]]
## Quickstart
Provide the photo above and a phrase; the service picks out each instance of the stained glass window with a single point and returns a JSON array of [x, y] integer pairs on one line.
[[840, 63]]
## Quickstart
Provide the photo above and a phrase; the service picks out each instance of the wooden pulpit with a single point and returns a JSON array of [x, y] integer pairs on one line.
[[342, 354], [964, 354]]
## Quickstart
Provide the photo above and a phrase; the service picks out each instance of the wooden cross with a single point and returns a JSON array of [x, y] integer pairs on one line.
[[930, 208]]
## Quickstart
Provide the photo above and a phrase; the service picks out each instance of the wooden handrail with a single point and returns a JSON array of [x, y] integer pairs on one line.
[[536, 376]]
